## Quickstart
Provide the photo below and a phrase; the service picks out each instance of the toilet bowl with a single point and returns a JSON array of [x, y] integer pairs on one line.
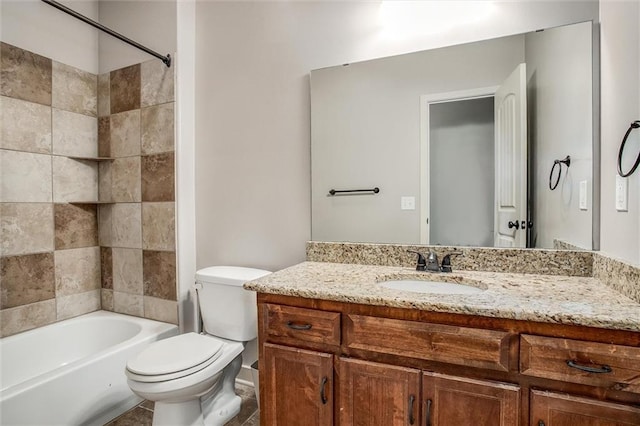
[[191, 377]]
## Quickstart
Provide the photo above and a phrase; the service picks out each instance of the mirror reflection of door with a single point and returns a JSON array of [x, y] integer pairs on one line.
[[461, 145], [511, 160], [476, 155]]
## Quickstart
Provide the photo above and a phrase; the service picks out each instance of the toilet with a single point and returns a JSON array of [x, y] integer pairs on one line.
[[191, 377]]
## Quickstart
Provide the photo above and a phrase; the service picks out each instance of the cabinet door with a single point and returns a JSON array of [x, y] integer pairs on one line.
[[553, 409], [450, 400], [372, 394], [298, 387]]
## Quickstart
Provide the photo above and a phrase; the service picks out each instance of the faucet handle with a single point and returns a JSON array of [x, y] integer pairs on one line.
[[446, 260], [422, 262]]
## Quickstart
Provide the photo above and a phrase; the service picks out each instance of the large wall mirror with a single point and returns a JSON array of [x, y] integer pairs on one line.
[[460, 143]]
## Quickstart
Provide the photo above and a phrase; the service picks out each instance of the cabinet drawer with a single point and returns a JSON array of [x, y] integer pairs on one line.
[[598, 364], [435, 342], [301, 327]]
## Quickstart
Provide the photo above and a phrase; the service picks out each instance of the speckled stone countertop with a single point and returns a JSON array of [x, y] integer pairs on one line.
[[544, 298]]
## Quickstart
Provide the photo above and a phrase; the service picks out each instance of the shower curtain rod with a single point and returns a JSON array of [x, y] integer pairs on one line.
[[65, 9]]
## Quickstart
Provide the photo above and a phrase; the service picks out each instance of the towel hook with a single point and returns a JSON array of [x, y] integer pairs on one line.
[[567, 162], [633, 125]]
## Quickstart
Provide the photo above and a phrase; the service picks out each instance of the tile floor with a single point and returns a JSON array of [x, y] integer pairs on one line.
[[142, 415]]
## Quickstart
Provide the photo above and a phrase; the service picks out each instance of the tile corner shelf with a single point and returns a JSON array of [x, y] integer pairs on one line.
[[91, 202], [92, 158]]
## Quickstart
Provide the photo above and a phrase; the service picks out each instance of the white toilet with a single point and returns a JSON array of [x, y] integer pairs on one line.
[[191, 377]]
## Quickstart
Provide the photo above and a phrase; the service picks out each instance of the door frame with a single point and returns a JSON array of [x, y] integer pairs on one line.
[[425, 102]]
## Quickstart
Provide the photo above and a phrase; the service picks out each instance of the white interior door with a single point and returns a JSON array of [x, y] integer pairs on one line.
[[511, 160]]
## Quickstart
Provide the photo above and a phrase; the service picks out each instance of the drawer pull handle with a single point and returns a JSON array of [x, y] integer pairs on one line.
[[428, 413], [604, 369], [541, 423], [323, 396], [412, 399], [295, 326]]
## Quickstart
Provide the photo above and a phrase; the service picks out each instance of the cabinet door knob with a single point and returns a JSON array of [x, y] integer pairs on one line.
[[323, 384], [541, 423], [428, 413]]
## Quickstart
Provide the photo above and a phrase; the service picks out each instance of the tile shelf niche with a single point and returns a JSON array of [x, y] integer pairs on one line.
[[92, 158], [91, 202]]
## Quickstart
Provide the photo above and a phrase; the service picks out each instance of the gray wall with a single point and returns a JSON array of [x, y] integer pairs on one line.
[[560, 115]]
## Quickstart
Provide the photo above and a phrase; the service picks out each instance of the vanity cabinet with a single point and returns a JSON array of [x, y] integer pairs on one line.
[[450, 400], [377, 394], [297, 386], [325, 362], [553, 409]]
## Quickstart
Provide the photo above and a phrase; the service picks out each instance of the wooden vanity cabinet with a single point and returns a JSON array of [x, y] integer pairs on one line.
[[324, 363]]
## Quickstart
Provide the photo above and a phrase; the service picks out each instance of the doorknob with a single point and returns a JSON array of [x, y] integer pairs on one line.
[[515, 224]]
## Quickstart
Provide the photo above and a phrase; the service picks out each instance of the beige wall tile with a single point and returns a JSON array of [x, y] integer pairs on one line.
[[26, 279], [25, 126], [157, 129], [24, 75], [106, 267], [77, 270], [158, 179], [25, 177], [104, 104], [124, 86], [160, 309], [77, 304], [157, 83], [159, 273], [74, 180], [74, 134], [105, 225], [104, 136], [76, 225], [26, 317], [127, 270], [126, 227], [130, 304], [106, 296], [125, 180], [158, 226], [26, 228], [124, 136], [104, 181], [74, 89]]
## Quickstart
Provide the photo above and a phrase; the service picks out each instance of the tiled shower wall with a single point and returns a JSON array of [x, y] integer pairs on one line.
[[51, 264], [137, 231]]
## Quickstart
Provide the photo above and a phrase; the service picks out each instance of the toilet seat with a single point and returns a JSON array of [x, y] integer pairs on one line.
[[174, 358]]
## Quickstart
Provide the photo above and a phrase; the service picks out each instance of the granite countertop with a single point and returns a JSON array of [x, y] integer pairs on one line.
[[544, 298]]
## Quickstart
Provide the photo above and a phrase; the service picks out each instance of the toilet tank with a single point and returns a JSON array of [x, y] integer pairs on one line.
[[228, 310]]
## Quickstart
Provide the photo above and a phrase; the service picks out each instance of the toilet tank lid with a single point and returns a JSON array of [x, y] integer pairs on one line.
[[230, 275]]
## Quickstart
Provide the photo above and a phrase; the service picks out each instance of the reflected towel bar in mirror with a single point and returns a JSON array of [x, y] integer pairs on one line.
[[567, 162], [353, 191]]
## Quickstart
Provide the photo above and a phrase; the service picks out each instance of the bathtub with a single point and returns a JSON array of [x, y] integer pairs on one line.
[[72, 372]]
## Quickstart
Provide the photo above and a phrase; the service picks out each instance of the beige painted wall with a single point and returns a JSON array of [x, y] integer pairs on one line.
[[42, 29], [620, 87], [252, 103]]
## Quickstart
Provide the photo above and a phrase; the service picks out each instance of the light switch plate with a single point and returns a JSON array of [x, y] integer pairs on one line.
[[622, 194], [407, 203], [584, 186]]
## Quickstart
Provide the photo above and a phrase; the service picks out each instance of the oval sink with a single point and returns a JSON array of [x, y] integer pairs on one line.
[[432, 287]]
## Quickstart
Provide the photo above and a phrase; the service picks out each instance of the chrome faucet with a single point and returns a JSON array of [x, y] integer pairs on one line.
[[432, 262]]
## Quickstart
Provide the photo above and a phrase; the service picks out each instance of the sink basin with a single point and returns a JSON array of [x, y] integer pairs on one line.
[[431, 287]]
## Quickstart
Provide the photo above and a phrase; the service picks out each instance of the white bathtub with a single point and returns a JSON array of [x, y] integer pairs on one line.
[[72, 372]]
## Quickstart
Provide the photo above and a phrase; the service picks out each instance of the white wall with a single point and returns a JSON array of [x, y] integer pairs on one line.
[[559, 74], [365, 133], [47, 31], [620, 105], [149, 22], [252, 123]]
